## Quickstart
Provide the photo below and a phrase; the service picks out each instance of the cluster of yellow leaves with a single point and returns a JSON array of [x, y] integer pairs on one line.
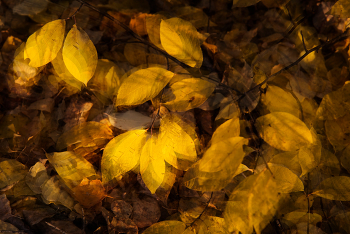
[[73, 55], [139, 151], [286, 126]]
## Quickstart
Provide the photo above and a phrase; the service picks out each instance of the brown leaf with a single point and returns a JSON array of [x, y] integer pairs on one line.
[[89, 192], [146, 211], [5, 209]]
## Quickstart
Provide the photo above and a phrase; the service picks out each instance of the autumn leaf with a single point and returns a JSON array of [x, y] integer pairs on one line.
[[143, 84], [177, 143], [334, 188], [122, 154], [152, 165], [43, 45], [72, 168], [187, 94], [79, 55], [261, 194], [12, 171], [53, 192], [283, 131], [180, 39]]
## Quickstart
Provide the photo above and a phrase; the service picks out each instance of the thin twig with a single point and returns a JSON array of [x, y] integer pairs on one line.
[[81, 5], [302, 38], [58, 229]]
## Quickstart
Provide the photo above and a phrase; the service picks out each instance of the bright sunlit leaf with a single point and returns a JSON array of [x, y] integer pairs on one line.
[[187, 94], [278, 100], [180, 39], [122, 154], [222, 153], [283, 131], [63, 73], [231, 128], [79, 54], [43, 45], [152, 165], [143, 85], [177, 145]]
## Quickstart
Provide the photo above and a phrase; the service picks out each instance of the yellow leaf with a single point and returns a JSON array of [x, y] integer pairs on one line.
[[289, 159], [79, 54], [222, 153], [187, 94], [279, 100], [166, 227], [260, 194], [334, 188], [71, 167], [180, 39], [107, 78], [152, 165], [301, 216], [283, 131], [43, 45], [122, 154], [229, 129], [197, 179], [11, 171], [286, 181], [63, 73], [143, 85], [52, 192], [310, 156], [176, 143], [331, 106]]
